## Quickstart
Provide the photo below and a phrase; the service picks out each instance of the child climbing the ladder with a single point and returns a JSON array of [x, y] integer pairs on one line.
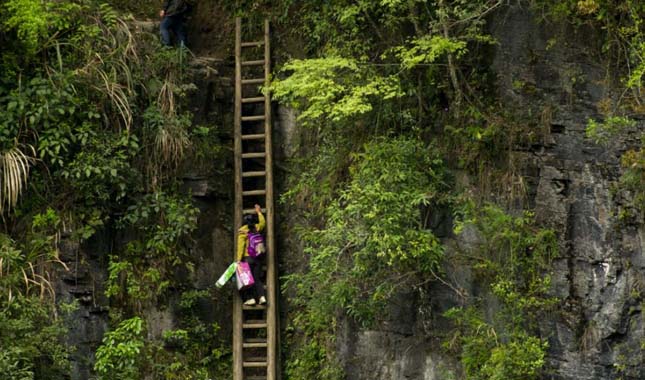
[[251, 248]]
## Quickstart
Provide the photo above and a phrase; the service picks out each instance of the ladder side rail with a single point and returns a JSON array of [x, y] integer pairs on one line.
[[272, 325], [238, 369]]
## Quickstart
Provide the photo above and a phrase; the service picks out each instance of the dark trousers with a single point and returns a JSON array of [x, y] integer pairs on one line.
[[174, 23], [257, 290]]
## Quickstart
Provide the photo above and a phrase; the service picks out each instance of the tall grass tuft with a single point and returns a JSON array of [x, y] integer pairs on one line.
[[14, 171]]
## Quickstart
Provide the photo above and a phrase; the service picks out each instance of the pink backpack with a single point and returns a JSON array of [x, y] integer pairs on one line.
[[256, 246]]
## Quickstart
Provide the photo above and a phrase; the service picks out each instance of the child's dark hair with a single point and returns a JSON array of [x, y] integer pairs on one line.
[[251, 220]]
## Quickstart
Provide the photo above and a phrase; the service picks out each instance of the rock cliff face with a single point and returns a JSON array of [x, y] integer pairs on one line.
[[83, 282], [597, 331]]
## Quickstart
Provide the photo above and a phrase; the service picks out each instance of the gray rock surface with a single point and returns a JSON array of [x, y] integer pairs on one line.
[[597, 332], [83, 284]]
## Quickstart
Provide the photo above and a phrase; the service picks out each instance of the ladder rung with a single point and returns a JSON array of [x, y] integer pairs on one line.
[[253, 118], [253, 174], [255, 364], [255, 321], [258, 62], [256, 307], [251, 44], [257, 99], [258, 136], [251, 324], [255, 340], [253, 81], [254, 345], [253, 155], [252, 211], [254, 192], [255, 378]]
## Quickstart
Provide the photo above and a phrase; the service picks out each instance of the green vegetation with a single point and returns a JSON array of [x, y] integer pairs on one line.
[[603, 132], [29, 320], [335, 88], [512, 261], [143, 270], [93, 130], [372, 244], [633, 178], [193, 351], [392, 101], [395, 99], [121, 350]]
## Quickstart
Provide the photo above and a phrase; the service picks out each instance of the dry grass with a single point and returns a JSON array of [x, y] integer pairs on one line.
[[33, 280], [14, 172], [171, 143], [108, 70], [166, 98], [29, 277], [171, 139]]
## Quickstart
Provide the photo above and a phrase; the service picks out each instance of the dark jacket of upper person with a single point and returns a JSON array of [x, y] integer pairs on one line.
[[175, 7]]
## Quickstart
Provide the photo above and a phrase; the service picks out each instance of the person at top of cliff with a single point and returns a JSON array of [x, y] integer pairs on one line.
[[172, 19], [248, 235]]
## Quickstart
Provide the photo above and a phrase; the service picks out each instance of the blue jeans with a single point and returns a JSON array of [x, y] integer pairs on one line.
[[174, 23]]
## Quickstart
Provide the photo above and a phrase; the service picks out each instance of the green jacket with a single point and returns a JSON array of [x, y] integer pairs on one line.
[[243, 237]]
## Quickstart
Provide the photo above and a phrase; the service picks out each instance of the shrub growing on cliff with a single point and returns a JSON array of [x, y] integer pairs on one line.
[[373, 243], [512, 259], [602, 132], [334, 89], [633, 179], [160, 225], [119, 356], [194, 350], [30, 334], [75, 140]]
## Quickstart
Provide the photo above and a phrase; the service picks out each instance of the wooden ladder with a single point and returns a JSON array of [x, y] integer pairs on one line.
[[255, 328]]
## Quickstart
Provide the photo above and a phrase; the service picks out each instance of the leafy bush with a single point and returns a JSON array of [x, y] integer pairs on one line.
[[83, 154], [520, 359], [119, 356], [34, 21], [428, 49], [487, 355], [102, 172], [158, 224], [332, 88], [372, 244], [602, 132], [513, 260], [31, 344], [193, 351]]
